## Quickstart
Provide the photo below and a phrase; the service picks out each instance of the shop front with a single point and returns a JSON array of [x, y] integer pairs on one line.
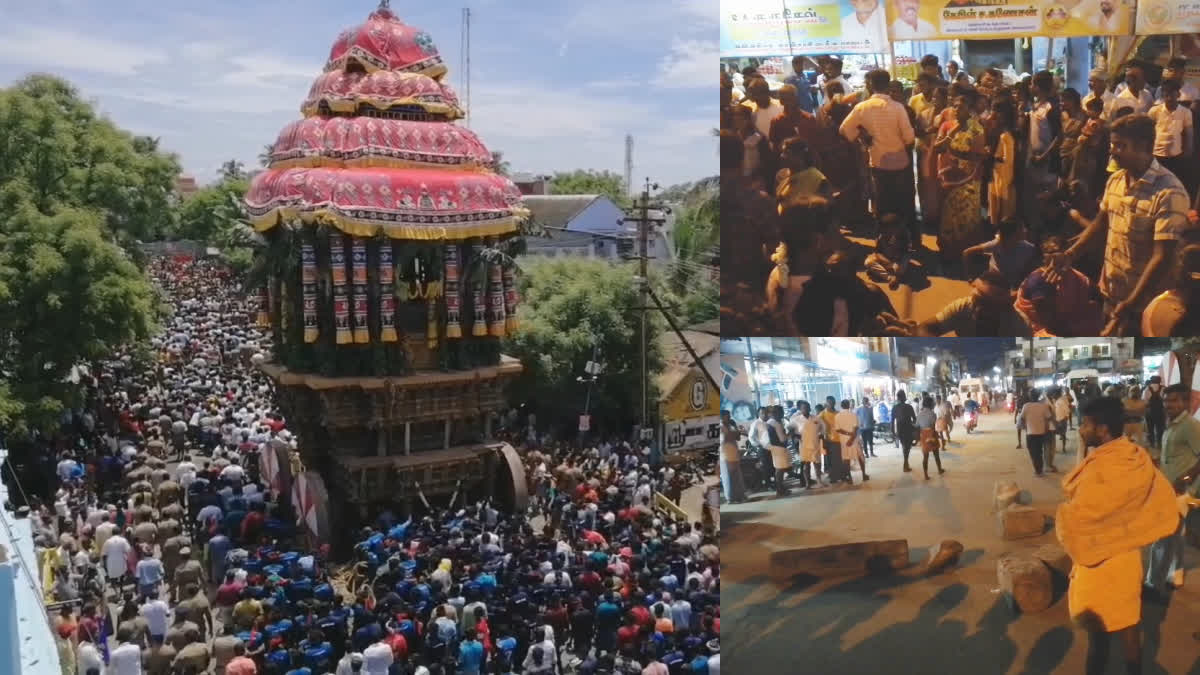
[[691, 415]]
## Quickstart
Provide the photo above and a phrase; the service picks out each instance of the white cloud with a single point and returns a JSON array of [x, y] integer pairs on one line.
[[263, 70], [56, 48], [690, 64]]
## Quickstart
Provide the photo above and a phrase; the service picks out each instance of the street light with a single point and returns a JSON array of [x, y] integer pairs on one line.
[[996, 368], [932, 361]]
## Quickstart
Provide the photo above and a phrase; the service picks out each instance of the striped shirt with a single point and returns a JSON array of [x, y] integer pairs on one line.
[[1152, 208], [891, 132]]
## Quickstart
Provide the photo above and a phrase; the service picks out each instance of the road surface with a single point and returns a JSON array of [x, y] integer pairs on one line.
[[955, 622]]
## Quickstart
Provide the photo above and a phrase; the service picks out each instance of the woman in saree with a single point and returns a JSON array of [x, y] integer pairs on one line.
[[961, 148], [928, 122]]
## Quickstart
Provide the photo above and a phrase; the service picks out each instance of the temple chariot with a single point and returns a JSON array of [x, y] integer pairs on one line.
[[389, 288]]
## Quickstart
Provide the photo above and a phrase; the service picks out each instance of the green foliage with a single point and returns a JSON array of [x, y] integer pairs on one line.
[[68, 296], [213, 213], [53, 142], [233, 170], [591, 182], [696, 239], [499, 164], [566, 305], [76, 193]]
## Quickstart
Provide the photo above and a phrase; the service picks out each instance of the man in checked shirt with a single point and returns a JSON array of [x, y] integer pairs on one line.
[[1144, 215], [884, 126]]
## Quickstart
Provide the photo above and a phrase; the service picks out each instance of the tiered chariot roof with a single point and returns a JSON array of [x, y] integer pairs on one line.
[[378, 150]]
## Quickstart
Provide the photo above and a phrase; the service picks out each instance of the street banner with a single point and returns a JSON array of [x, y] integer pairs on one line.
[[1158, 17], [790, 27], [971, 19]]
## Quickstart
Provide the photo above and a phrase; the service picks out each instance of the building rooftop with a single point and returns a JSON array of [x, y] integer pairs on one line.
[[677, 363], [556, 210], [18, 566]]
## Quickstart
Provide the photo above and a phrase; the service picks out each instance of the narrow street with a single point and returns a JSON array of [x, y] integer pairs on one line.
[[952, 622]]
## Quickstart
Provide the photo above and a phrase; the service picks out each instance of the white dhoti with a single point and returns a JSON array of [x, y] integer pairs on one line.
[[779, 457]]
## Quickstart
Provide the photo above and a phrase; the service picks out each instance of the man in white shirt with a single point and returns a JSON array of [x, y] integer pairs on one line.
[[1062, 415], [88, 658], [884, 126], [127, 658], [846, 423], [908, 24], [377, 659], [762, 106], [866, 25], [1036, 416], [1098, 88], [116, 557], [1172, 131], [777, 444], [1133, 94], [157, 615]]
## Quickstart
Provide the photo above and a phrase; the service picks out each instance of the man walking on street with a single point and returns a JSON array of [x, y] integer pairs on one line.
[[904, 424], [1036, 417], [1062, 415], [866, 426], [1156, 413]]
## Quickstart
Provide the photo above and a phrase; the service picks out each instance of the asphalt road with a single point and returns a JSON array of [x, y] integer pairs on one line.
[[955, 622]]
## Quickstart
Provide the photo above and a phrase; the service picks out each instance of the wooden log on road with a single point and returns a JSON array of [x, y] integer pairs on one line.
[[872, 557]]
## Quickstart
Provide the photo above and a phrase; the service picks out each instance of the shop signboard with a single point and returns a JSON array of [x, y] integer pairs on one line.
[[971, 19], [1158, 17], [1020, 372], [840, 354], [698, 432], [790, 27]]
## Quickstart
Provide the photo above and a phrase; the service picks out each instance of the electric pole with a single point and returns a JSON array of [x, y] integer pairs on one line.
[[643, 207]]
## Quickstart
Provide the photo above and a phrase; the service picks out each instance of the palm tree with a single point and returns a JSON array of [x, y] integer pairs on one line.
[[499, 164], [264, 157], [233, 169]]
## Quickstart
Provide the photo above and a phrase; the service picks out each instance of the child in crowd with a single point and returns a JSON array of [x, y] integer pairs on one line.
[[1008, 253], [890, 260]]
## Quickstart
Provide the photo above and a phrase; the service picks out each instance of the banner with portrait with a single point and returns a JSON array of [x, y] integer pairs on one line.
[[1159, 17], [791, 28], [971, 19]]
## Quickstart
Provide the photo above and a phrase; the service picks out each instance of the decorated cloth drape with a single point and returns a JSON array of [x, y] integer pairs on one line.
[[453, 294], [308, 278], [358, 252], [387, 294], [431, 327], [341, 300], [496, 315], [478, 300], [262, 317], [510, 300]]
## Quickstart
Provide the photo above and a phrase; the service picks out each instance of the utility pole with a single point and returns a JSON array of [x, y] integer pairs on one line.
[[642, 207]]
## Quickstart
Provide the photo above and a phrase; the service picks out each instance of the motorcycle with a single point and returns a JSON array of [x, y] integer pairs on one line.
[[972, 419]]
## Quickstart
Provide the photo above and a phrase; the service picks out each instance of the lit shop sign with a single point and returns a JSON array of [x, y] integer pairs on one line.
[[841, 354]]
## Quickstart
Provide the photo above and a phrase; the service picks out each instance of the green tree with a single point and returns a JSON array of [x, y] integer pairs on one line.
[[213, 210], [696, 239], [590, 182], [566, 305], [233, 170], [264, 157], [53, 142], [499, 164], [68, 296]]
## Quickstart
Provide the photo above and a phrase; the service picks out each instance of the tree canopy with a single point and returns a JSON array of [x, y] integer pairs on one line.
[[76, 193], [53, 142], [566, 306], [591, 182]]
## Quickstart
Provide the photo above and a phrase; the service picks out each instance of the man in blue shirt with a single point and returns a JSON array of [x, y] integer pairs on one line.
[[866, 426], [470, 654], [800, 81]]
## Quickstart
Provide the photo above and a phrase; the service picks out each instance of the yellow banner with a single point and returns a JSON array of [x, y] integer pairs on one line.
[[971, 19], [1156, 17]]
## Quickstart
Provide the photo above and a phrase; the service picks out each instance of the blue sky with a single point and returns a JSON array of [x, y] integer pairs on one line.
[[555, 85]]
